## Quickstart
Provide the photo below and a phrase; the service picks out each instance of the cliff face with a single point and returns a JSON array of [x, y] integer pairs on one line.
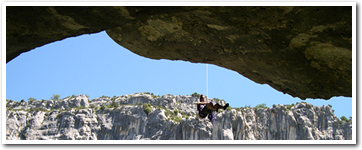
[[168, 118], [303, 51]]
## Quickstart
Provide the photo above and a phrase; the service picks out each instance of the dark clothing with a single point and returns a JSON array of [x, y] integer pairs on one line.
[[203, 112]]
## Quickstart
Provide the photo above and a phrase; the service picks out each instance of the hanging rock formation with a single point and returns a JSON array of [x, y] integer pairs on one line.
[[302, 51], [167, 118]]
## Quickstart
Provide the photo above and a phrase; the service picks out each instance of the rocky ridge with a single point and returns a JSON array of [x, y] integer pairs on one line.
[[144, 116]]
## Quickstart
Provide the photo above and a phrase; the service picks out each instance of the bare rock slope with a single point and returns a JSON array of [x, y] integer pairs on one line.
[[145, 116]]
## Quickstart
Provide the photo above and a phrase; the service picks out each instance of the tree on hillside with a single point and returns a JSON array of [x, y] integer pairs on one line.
[[55, 97]]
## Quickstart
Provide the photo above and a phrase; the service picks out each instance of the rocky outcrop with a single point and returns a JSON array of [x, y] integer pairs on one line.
[[301, 51], [169, 118]]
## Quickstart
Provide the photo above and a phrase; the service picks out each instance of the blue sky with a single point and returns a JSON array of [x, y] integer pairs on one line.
[[96, 65]]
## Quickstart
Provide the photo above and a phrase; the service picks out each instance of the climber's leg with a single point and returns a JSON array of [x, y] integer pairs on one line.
[[212, 107], [216, 106], [211, 117]]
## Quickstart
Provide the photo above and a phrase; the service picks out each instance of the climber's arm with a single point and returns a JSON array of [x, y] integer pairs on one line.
[[202, 102]]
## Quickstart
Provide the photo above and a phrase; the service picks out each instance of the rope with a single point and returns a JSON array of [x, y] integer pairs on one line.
[[207, 82]]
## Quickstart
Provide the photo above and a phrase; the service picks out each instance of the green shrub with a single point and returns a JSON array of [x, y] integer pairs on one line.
[[59, 116], [153, 96], [147, 108], [339, 121], [114, 104], [177, 119], [92, 106], [31, 100], [168, 113], [195, 94], [238, 109], [176, 111], [344, 118], [228, 108], [55, 97], [290, 106], [103, 96], [113, 98], [260, 106], [80, 107]]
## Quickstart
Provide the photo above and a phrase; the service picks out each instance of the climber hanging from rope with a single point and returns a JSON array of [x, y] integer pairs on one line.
[[207, 109]]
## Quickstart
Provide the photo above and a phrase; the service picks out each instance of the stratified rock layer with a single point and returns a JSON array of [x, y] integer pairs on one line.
[[171, 118], [303, 51]]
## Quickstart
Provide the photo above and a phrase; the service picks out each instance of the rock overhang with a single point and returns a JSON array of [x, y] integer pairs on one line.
[[305, 52]]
